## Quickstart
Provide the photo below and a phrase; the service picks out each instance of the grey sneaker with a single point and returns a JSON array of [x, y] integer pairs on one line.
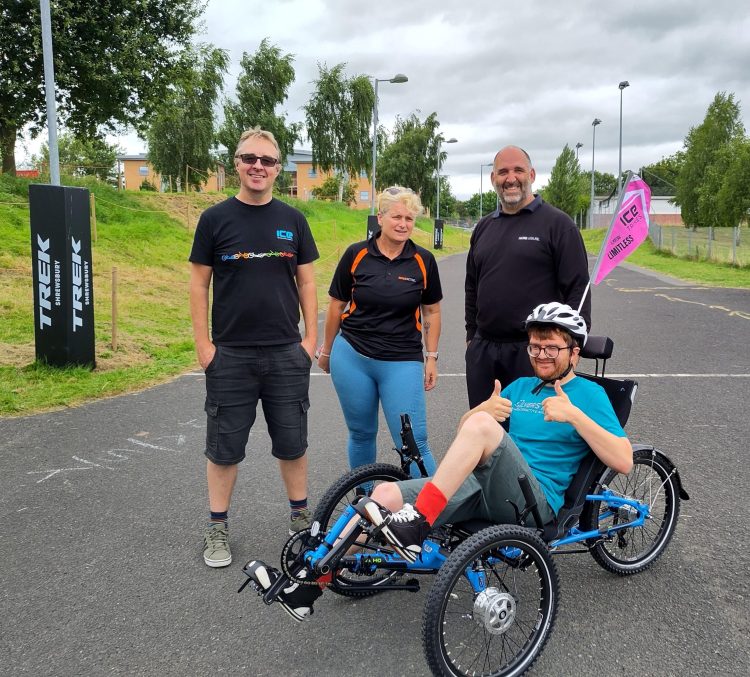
[[303, 520], [216, 552]]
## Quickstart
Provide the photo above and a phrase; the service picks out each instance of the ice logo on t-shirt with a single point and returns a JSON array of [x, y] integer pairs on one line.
[[531, 407], [284, 235]]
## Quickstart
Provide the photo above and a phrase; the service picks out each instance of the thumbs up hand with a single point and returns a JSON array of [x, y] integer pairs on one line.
[[497, 406], [558, 408]]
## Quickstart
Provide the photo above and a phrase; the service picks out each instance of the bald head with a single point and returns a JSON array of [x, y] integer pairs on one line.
[[512, 176], [514, 150]]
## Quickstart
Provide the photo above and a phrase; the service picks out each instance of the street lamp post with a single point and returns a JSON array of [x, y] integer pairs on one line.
[[578, 145], [440, 145], [621, 86], [396, 79], [481, 188], [596, 122]]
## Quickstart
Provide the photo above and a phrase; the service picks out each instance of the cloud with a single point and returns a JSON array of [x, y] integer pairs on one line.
[[534, 74]]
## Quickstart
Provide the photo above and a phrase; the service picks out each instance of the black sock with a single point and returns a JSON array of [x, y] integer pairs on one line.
[[296, 507], [219, 517]]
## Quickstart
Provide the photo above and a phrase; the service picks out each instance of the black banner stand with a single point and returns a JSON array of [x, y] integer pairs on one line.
[[373, 227], [437, 234], [63, 275]]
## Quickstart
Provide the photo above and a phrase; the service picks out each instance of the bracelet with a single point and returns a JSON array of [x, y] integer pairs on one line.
[[319, 353]]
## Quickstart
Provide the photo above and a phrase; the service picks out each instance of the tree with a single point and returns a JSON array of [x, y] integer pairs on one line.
[[83, 157], [182, 132], [335, 188], [489, 204], [410, 160], [604, 182], [113, 60], [338, 118], [661, 176], [262, 85], [448, 202], [566, 185], [703, 143], [724, 195]]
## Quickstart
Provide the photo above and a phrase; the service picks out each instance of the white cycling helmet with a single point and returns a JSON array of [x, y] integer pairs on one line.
[[560, 315]]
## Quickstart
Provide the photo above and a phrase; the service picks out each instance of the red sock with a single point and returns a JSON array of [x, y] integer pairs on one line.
[[430, 502]]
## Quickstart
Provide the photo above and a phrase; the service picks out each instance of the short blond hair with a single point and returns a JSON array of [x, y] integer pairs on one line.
[[405, 196], [258, 133]]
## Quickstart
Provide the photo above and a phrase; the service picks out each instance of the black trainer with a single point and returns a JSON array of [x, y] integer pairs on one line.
[[405, 530], [297, 600]]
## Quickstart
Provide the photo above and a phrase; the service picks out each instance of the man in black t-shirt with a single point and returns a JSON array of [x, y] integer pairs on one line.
[[525, 253], [259, 252]]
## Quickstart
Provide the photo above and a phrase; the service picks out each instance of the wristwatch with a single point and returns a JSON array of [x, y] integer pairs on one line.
[[429, 353]]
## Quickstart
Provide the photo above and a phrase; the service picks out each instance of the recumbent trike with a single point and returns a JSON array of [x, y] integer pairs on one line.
[[494, 599]]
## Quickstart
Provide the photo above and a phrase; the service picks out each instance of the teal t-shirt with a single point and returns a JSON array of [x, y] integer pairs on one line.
[[555, 450]]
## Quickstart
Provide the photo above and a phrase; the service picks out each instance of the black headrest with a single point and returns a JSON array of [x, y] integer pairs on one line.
[[598, 348]]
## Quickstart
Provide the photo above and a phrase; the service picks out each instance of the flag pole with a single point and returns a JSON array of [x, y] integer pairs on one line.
[[583, 298]]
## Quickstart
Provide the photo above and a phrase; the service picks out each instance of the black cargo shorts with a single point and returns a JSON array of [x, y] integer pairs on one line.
[[237, 377]]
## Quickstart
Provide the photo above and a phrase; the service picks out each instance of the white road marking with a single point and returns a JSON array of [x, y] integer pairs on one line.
[[149, 446], [52, 473]]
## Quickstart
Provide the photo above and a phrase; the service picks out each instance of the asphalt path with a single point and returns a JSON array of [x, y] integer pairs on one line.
[[104, 505]]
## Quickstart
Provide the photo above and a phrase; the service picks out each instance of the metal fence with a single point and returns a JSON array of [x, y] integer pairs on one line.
[[726, 245]]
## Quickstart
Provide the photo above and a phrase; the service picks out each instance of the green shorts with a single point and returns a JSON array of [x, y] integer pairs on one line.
[[485, 492]]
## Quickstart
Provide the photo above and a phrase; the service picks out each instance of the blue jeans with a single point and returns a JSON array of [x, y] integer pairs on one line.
[[360, 383]]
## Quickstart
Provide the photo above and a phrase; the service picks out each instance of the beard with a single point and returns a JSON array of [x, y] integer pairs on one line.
[[522, 194], [551, 375]]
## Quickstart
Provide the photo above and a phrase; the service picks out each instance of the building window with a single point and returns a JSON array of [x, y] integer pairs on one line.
[[364, 195], [312, 174], [143, 170], [363, 174]]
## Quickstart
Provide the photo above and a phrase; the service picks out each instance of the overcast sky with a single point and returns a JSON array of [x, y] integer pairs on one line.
[[534, 74]]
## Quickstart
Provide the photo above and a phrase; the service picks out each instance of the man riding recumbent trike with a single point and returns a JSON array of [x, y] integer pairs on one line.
[[498, 507]]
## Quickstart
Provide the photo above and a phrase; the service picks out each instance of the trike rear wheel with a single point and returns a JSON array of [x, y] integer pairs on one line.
[[652, 480]]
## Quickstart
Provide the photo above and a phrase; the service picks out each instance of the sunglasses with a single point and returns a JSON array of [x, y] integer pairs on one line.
[[396, 190], [251, 159]]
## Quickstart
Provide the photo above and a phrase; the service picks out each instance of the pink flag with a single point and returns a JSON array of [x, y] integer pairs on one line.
[[629, 227]]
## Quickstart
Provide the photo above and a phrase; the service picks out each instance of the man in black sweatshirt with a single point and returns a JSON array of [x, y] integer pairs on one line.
[[525, 253]]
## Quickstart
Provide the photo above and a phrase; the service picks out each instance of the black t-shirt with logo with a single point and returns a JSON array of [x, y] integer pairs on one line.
[[383, 319], [254, 252]]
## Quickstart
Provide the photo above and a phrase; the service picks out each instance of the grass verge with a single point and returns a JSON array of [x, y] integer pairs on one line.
[[147, 237], [701, 272]]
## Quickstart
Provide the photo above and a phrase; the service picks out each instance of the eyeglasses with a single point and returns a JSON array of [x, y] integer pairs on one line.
[[549, 351], [397, 190], [251, 159]]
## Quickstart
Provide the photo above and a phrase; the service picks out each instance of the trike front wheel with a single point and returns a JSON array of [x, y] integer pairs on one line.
[[342, 493], [492, 605]]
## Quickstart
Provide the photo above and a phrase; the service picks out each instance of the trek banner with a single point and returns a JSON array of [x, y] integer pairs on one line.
[[629, 227]]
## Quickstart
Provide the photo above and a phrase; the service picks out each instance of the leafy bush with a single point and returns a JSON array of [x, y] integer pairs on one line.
[[329, 190]]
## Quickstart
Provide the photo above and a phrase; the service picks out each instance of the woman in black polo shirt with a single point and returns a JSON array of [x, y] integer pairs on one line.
[[384, 297]]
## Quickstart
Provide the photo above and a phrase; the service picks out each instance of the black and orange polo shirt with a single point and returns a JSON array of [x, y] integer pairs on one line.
[[384, 319]]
